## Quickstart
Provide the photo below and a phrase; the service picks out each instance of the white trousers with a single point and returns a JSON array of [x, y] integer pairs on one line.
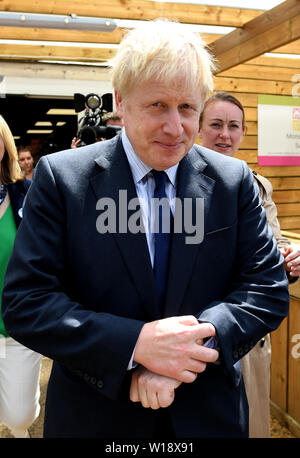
[[19, 386]]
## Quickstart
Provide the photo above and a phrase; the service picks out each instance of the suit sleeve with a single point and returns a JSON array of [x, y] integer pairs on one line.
[[36, 309], [258, 299]]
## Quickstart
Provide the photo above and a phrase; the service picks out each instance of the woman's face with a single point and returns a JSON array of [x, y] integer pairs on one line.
[[222, 127], [26, 161]]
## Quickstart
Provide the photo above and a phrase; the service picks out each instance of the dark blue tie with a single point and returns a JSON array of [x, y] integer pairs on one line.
[[162, 238]]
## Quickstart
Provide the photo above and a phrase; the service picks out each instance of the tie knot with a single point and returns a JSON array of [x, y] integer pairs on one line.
[[160, 177]]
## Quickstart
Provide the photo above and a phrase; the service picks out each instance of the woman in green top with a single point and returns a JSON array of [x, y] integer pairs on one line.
[[19, 366]]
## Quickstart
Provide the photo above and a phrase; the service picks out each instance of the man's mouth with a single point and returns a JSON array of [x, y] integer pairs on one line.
[[170, 146]]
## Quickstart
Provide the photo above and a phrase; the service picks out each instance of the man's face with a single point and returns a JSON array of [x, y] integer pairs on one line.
[[161, 121]]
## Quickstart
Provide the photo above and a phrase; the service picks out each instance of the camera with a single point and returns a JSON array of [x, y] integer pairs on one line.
[[92, 127]]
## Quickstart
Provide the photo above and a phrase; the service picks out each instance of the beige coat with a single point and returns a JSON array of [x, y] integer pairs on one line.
[[256, 364]]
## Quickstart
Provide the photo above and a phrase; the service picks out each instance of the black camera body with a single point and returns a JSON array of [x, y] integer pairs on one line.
[[91, 127]]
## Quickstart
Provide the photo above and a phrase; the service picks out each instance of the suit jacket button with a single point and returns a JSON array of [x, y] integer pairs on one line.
[[100, 384], [241, 351], [93, 380], [86, 377], [235, 355]]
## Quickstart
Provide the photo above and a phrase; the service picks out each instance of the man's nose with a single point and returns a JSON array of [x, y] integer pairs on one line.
[[173, 123]]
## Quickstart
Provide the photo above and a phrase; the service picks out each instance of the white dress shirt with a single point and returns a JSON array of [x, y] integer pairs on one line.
[[145, 185]]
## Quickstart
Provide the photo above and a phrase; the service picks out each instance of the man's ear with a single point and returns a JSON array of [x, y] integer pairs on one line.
[[119, 103]]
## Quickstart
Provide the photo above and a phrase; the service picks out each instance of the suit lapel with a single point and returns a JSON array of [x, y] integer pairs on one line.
[[192, 183], [115, 176]]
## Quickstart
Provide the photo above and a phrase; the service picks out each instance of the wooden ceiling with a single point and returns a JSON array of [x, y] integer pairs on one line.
[[256, 32]]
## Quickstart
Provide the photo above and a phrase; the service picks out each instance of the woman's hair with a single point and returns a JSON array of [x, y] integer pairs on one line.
[[162, 51], [24, 149], [223, 97], [10, 171]]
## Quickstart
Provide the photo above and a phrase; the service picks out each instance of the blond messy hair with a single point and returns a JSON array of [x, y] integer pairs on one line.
[[162, 51], [10, 171]]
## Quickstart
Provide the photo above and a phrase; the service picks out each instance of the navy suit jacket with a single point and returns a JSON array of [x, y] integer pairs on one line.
[[81, 298]]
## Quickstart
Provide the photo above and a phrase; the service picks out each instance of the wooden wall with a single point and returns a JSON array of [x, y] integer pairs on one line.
[[285, 366], [273, 76]]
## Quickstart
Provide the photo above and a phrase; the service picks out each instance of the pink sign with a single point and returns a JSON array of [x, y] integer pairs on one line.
[[278, 160]]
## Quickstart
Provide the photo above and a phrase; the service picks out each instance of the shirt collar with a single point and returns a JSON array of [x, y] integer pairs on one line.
[[138, 168]]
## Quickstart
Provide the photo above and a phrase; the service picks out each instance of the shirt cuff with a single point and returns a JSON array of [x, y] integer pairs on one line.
[[132, 364]]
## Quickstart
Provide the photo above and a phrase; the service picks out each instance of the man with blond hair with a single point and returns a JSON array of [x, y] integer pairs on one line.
[[138, 268]]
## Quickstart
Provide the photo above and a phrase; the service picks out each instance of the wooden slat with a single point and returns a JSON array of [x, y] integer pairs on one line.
[[275, 62], [292, 236], [264, 73], [277, 171], [294, 361], [270, 30], [38, 52], [76, 36], [247, 100], [251, 127], [138, 10], [254, 86], [279, 365], [249, 142], [286, 196], [80, 36], [250, 114], [289, 222], [288, 209], [248, 155], [285, 183], [291, 48]]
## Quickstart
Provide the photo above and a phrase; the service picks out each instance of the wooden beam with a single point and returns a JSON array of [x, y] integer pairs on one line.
[[80, 36], [137, 9], [270, 30], [40, 52]]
